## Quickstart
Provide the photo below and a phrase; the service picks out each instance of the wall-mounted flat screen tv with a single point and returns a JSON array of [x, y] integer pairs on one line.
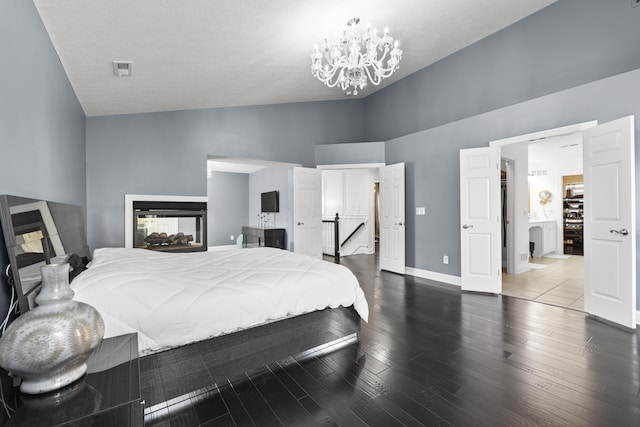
[[269, 202]]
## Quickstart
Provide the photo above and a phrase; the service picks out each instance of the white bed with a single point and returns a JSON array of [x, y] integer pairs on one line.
[[175, 299]]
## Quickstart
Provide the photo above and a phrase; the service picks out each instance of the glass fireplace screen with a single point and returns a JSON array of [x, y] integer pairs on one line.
[[170, 226]]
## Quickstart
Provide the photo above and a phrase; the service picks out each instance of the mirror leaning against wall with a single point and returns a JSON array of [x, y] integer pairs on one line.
[[35, 233]]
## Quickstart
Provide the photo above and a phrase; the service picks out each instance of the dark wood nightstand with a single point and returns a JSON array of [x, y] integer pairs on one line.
[[108, 395]]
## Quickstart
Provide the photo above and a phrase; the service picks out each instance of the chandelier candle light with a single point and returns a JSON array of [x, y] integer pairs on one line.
[[352, 60]]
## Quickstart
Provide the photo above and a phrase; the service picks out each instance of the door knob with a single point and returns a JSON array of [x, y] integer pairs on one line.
[[300, 223], [467, 226], [624, 231], [399, 223]]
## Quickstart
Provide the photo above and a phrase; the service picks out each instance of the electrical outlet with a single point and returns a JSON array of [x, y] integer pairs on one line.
[[445, 259], [232, 237], [421, 211]]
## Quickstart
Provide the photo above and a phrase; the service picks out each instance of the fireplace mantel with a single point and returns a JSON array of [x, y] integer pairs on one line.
[[128, 209]]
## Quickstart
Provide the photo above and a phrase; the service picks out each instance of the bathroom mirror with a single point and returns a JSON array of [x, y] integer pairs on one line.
[[545, 197]]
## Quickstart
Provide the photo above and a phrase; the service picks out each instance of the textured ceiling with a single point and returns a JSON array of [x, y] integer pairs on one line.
[[190, 54]]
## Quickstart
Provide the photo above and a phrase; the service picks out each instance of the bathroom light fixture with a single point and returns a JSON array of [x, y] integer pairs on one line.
[[351, 60]]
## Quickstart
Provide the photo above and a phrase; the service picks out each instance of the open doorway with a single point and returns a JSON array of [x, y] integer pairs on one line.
[[350, 194], [609, 220], [554, 206], [339, 181]]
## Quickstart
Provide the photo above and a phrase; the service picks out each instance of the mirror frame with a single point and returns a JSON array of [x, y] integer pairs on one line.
[[63, 230]]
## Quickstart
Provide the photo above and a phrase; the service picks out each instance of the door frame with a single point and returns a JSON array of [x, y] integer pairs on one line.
[[510, 163], [347, 217], [532, 137], [358, 166]]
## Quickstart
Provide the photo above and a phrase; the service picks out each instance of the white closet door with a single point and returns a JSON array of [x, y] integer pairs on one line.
[[480, 238]]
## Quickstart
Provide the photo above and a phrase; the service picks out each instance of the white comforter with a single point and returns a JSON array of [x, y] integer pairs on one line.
[[174, 299]]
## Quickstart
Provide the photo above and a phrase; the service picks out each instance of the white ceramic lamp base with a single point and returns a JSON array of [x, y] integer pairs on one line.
[[47, 346], [37, 385]]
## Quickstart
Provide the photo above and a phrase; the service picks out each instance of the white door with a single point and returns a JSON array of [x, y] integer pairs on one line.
[[480, 237], [307, 212], [392, 228], [609, 222]]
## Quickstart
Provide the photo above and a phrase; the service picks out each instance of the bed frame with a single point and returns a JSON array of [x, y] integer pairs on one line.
[[55, 229], [203, 366]]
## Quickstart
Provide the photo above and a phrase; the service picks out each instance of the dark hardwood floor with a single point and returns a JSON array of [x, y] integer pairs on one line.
[[431, 355]]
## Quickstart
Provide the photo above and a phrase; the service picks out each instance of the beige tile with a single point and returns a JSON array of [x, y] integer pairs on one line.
[[521, 293], [537, 286], [513, 279], [554, 279], [566, 291], [555, 300], [560, 283], [574, 283], [507, 286], [577, 304]]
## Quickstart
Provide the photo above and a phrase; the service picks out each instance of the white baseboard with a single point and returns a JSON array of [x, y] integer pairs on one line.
[[432, 275]]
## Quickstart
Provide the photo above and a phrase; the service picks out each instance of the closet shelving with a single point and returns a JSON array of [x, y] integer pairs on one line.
[[573, 213]]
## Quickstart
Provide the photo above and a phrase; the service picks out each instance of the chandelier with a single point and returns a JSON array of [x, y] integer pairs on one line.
[[351, 60]]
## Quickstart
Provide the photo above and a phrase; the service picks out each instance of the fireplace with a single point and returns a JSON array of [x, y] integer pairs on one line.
[[169, 226]]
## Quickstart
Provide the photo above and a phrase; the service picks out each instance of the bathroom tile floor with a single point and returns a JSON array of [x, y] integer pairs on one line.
[[560, 283]]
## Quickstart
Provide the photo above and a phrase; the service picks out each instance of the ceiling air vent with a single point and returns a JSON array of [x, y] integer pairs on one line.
[[122, 68]]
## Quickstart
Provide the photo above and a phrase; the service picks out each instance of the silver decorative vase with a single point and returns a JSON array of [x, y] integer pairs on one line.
[[48, 346]]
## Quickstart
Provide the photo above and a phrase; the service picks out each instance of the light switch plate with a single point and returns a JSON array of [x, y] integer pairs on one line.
[[421, 211]]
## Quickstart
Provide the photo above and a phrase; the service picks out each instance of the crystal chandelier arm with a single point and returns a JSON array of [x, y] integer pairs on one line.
[[329, 74], [375, 78], [392, 63]]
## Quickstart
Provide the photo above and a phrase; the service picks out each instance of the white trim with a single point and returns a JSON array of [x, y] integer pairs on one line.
[[533, 137], [352, 166], [128, 209], [221, 247], [432, 275], [512, 263], [549, 133]]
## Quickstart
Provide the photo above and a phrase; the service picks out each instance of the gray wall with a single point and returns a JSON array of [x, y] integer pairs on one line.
[[564, 45], [354, 153], [42, 126], [522, 79], [166, 153], [487, 91], [272, 179], [228, 207], [432, 157]]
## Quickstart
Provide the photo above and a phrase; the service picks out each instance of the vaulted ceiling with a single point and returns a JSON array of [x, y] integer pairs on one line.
[[191, 54]]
